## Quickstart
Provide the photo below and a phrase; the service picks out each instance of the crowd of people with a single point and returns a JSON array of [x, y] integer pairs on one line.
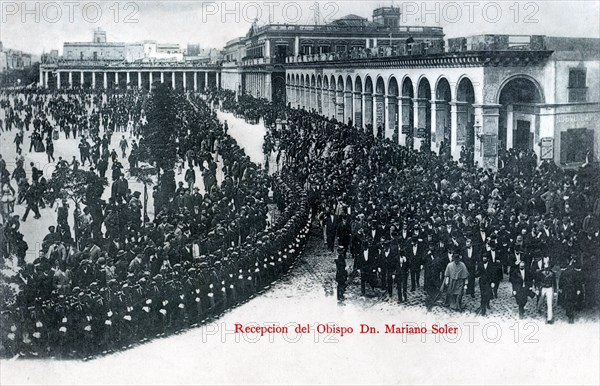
[[124, 278], [403, 214]]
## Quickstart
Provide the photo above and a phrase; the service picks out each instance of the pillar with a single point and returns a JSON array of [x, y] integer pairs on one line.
[[81, 79], [105, 79], [454, 148], [379, 112], [128, 76], [58, 80], [173, 80], [184, 81], [150, 80], [93, 79], [392, 121], [139, 79], [407, 126], [509, 126], [368, 109], [116, 78], [339, 106], [70, 79], [357, 119], [349, 107], [41, 78], [218, 73], [195, 81], [487, 119], [205, 79], [420, 120]]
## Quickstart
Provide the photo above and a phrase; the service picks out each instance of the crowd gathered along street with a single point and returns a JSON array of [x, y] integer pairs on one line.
[[114, 277], [401, 225], [408, 219]]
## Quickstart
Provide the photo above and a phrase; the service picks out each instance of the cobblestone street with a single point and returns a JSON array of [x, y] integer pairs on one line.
[[317, 268]]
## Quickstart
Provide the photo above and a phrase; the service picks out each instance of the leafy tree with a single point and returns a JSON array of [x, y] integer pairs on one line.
[[160, 138], [80, 186]]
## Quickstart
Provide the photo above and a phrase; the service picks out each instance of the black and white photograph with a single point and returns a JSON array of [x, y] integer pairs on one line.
[[299, 192]]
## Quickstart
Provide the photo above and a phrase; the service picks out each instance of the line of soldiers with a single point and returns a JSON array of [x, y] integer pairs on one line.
[[88, 321]]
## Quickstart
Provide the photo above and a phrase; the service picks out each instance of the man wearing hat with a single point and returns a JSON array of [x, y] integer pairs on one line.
[[341, 275], [521, 280], [546, 281], [414, 254], [570, 288]]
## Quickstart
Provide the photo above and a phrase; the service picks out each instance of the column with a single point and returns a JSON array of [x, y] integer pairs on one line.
[[93, 79], [81, 79], [454, 148], [205, 79], [195, 81], [139, 79], [434, 128], [58, 80], [379, 112], [105, 79], [348, 107], [407, 126], [184, 81], [173, 80], [357, 118], [41, 78], [392, 121], [116, 79], [150, 80], [70, 79], [509, 126], [162, 77], [487, 119], [218, 73], [368, 106], [420, 120], [128, 75]]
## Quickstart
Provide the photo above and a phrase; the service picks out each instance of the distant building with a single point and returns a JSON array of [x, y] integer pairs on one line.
[[13, 59]]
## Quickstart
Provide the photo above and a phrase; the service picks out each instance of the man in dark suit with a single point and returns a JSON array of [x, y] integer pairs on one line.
[[366, 263], [521, 281], [401, 274], [469, 259], [485, 272], [432, 276], [391, 258], [494, 260], [414, 254], [331, 225]]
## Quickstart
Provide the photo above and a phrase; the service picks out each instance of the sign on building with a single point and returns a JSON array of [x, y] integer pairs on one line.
[[547, 148], [490, 145]]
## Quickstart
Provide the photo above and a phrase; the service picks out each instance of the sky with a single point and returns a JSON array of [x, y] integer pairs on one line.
[[36, 27]]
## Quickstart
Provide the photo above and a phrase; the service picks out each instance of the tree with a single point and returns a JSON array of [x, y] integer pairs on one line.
[[160, 132], [80, 186]]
